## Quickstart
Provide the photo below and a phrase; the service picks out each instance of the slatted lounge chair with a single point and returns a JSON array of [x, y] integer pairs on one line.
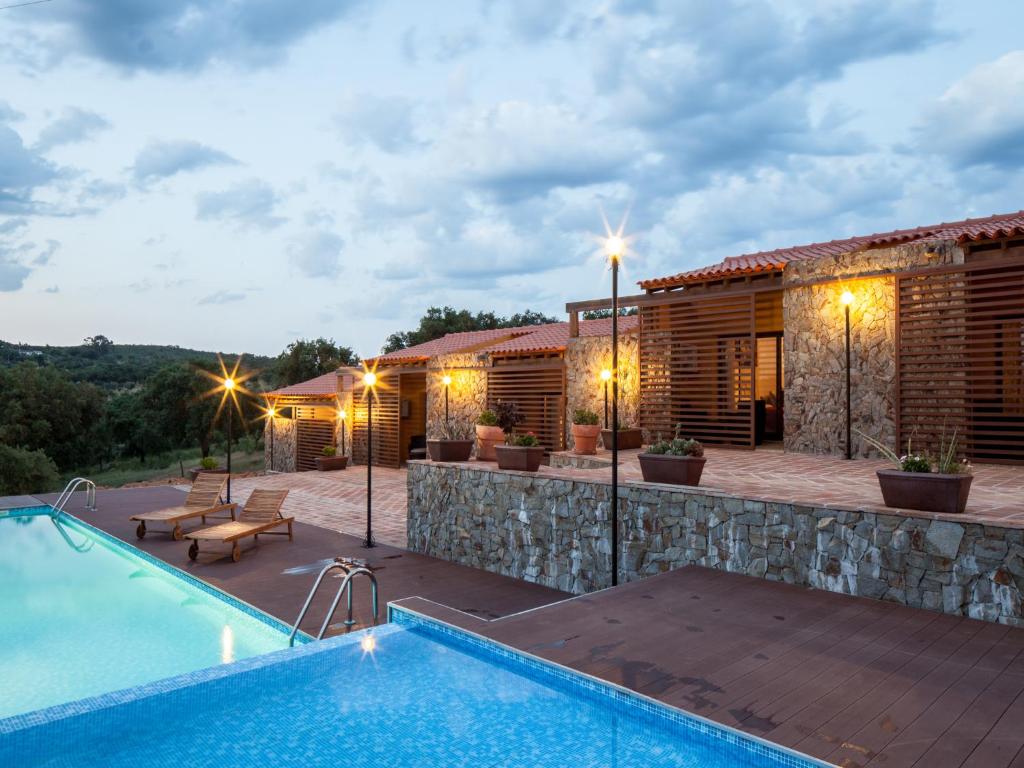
[[203, 500], [260, 515]]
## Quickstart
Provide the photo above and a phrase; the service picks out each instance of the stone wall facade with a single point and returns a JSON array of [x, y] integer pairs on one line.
[[467, 395], [585, 358], [555, 531], [283, 442], [815, 349]]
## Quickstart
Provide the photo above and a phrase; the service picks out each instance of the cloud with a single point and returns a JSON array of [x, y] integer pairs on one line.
[[163, 159], [318, 254], [46, 253], [74, 125], [184, 34], [12, 274], [22, 171], [249, 204], [221, 297], [384, 122], [979, 120], [52, 289], [9, 114]]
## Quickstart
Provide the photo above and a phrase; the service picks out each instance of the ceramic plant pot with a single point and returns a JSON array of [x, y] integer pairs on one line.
[[674, 470], [522, 458], [487, 438], [584, 438], [449, 450], [928, 491], [628, 439], [330, 463]]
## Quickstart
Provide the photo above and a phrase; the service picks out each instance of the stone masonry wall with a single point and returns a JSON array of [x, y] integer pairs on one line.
[[284, 445], [814, 347], [467, 396], [554, 531], [585, 358]]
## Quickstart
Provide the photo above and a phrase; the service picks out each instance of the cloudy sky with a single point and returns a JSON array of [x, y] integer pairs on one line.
[[233, 175]]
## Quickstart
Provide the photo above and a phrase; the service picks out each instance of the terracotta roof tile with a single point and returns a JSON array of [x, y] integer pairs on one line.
[[448, 344], [326, 385], [555, 336], [989, 228]]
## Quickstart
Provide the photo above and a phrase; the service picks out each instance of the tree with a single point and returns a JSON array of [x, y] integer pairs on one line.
[[439, 321], [99, 340], [23, 471], [306, 359], [601, 314]]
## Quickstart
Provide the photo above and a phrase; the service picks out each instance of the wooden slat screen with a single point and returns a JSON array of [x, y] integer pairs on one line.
[[311, 437], [697, 369], [961, 359], [385, 426], [539, 389]]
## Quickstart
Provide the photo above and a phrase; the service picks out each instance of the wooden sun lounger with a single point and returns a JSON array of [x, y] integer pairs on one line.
[[203, 500], [260, 515]]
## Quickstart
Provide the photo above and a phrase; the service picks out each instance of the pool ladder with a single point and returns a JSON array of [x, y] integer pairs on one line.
[[351, 569], [70, 488]]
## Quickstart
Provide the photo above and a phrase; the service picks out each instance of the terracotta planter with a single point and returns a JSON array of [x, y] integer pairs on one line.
[[928, 491], [675, 470], [330, 463], [197, 471], [628, 439], [584, 438], [524, 459], [487, 438], [449, 450]]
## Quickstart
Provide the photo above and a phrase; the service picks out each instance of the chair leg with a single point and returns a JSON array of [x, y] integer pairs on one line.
[[177, 532], [290, 537], [236, 552]]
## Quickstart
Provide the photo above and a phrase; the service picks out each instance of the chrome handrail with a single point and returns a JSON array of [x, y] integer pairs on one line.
[[70, 488], [351, 569]]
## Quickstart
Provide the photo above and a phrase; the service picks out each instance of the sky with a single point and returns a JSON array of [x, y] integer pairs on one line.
[[235, 175]]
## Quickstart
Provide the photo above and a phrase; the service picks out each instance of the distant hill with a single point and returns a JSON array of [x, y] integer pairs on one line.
[[117, 366]]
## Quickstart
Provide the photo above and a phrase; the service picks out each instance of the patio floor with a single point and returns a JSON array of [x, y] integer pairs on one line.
[[769, 474], [856, 682]]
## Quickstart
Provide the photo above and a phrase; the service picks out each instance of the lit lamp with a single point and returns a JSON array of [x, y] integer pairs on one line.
[[606, 376], [369, 380], [271, 413], [447, 381], [342, 416], [229, 388], [615, 246], [847, 300]]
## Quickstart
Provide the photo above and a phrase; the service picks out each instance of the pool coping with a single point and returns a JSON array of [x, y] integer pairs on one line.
[[613, 691]]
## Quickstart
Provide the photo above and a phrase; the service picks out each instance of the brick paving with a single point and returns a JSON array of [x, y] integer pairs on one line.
[[769, 474], [337, 500]]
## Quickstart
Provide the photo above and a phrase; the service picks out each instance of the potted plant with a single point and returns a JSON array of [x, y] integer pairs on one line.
[[629, 438], [679, 461], [921, 482], [454, 442], [488, 435], [522, 452], [330, 460], [206, 464], [585, 429]]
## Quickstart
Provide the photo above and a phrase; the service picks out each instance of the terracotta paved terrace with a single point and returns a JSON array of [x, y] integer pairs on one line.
[[857, 682], [769, 474]]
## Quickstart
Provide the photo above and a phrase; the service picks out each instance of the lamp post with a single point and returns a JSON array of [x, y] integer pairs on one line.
[[605, 377], [229, 388], [369, 379], [614, 246], [342, 415], [847, 300], [447, 381], [271, 413]]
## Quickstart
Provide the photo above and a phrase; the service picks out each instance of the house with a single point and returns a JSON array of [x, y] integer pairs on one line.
[[549, 370], [754, 348]]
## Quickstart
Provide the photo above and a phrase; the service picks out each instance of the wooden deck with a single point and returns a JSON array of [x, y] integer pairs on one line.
[[276, 574], [852, 681]]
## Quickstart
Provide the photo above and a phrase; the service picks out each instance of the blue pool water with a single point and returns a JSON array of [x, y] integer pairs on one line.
[[82, 614], [425, 695]]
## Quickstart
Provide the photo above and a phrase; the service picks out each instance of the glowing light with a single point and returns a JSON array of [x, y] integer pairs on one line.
[[606, 375], [369, 378], [368, 643], [271, 412], [846, 298], [341, 414], [447, 381], [229, 383], [227, 645], [614, 246]]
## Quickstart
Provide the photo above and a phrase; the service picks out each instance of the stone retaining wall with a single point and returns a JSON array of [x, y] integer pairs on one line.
[[554, 531]]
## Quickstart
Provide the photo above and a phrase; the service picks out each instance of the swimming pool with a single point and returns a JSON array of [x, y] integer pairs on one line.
[[411, 693], [83, 614]]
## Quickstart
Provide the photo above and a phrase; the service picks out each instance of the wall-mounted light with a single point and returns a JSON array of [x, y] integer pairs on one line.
[[447, 381]]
